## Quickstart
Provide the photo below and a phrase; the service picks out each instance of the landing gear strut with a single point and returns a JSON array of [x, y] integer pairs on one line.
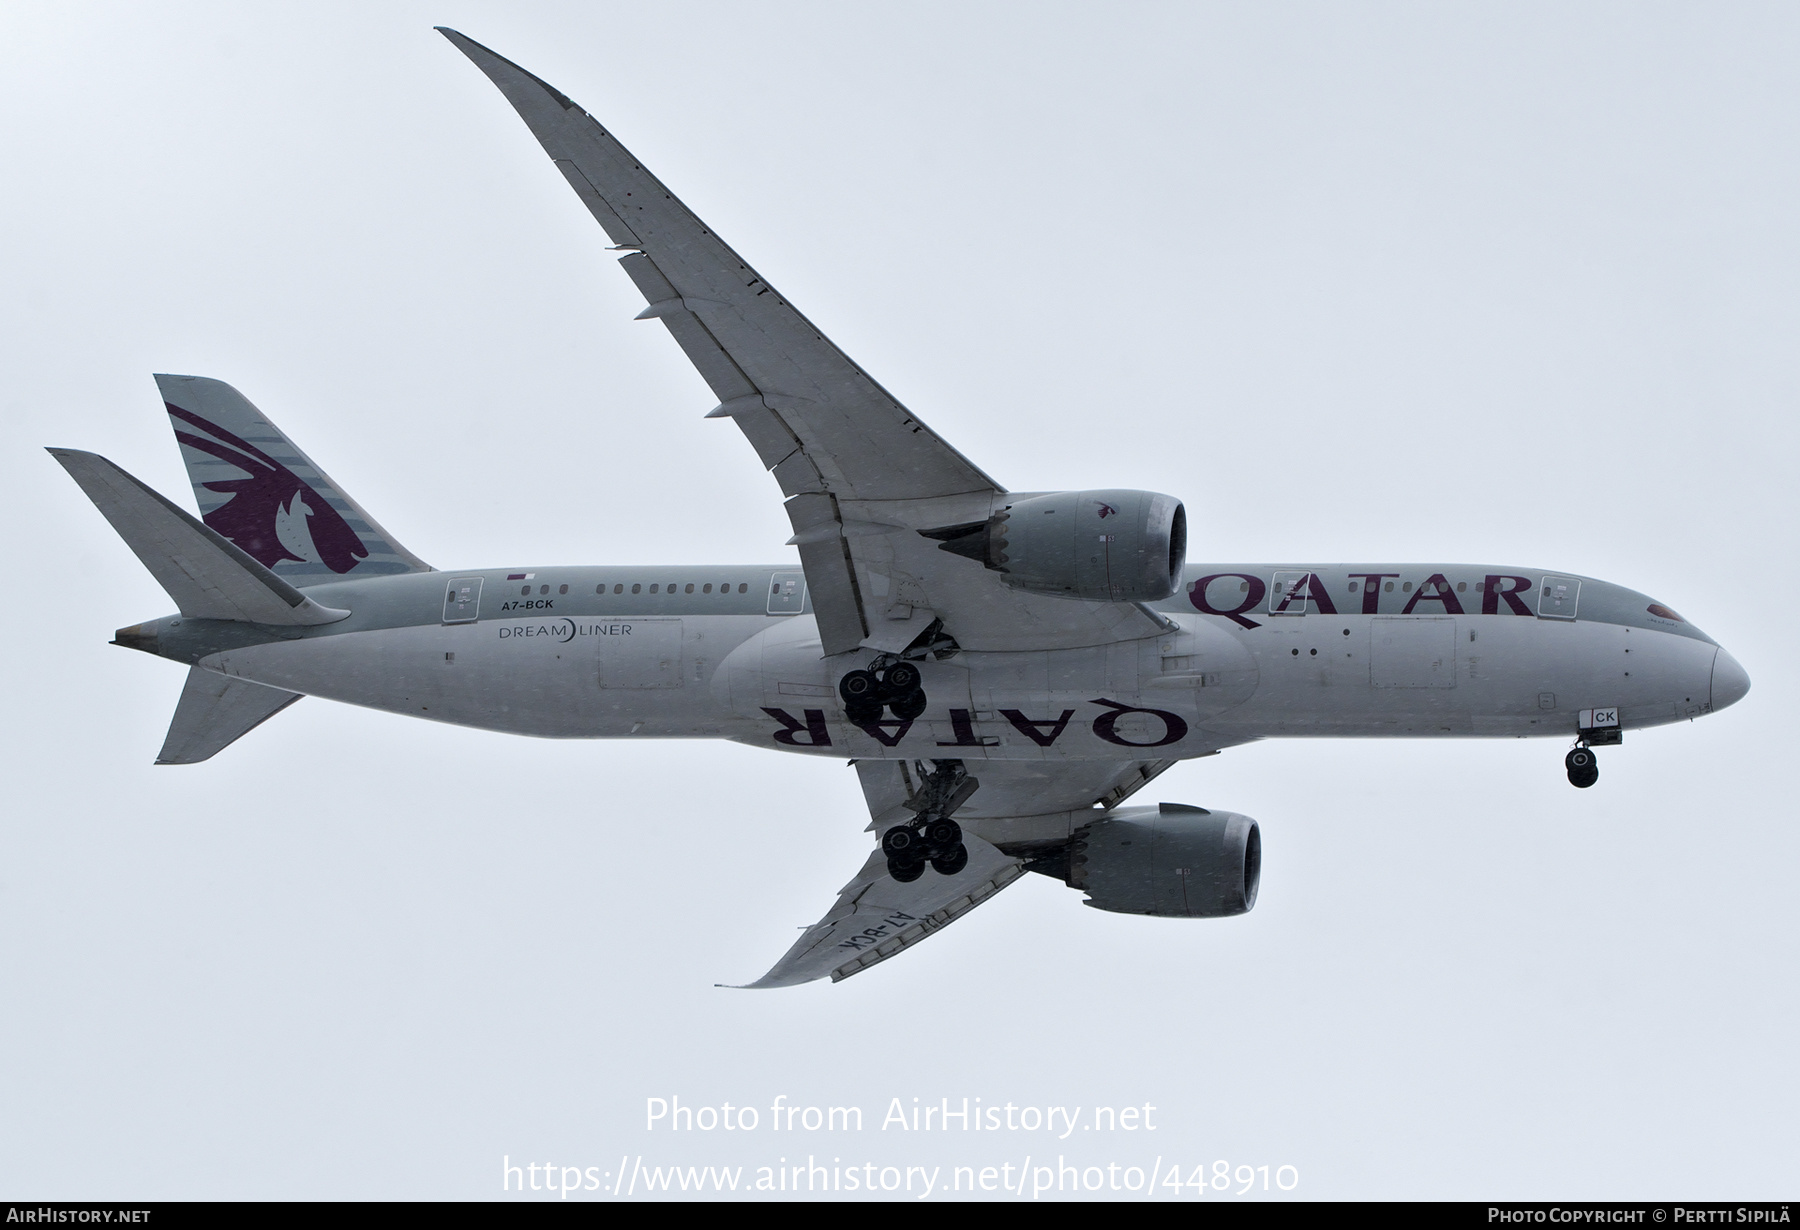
[[1584, 769], [933, 837]]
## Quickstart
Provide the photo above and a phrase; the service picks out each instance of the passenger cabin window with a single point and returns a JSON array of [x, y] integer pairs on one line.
[[562, 589], [707, 588], [689, 588], [636, 588], [743, 589], [619, 589], [523, 590]]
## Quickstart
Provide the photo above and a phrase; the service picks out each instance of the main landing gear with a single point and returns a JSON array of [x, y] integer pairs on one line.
[[933, 837], [896, 687], [1584, 769]]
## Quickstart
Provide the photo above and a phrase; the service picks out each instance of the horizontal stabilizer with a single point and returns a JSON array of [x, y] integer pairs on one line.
[[877, 917], [207, 576], [216, 711]]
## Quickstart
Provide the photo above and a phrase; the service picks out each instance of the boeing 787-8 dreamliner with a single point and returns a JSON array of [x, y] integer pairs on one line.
[[1005, 669]]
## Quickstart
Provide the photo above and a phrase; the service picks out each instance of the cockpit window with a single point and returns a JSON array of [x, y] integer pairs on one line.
[[1662, 612]]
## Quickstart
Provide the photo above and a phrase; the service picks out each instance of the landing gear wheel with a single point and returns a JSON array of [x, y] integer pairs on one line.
[[906, 870], [909, 706], [1583, 767], [862, 712], [952, 861], [943, 834], [858, 687], [901, 678], [901, 841]]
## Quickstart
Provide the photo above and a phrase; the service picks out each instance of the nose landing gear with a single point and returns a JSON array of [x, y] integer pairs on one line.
[[1584, 769], [1593, 728]]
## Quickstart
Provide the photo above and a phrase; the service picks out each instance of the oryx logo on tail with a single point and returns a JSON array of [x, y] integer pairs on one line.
[[273, 515]]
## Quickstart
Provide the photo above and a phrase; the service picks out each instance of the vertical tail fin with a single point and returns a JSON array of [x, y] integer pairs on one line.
[[259, 491]]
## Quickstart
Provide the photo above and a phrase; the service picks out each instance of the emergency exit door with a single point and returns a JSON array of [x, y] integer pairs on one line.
[[462, 600], [787, 593], [1558, 597]]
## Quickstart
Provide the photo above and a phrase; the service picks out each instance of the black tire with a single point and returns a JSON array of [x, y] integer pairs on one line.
[[905, 871], [859, 686], [909, 706], [901, 678], [943, 834], [862, 712], [1582, 778], [1579, 759], [948, 864], [901, 842]]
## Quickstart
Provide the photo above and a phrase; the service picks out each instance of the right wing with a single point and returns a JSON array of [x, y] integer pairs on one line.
[[862, 475]]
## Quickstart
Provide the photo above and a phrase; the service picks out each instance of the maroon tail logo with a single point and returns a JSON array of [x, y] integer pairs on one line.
[[252, 517]]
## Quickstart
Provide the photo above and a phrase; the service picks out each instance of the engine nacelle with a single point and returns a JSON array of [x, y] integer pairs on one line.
[[1171, 860], [1105, 546]]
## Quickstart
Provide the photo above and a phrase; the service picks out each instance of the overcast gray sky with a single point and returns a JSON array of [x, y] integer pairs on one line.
[[1505, 283]]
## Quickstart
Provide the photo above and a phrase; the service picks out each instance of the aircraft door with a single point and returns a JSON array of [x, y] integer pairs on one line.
[[787, 593], [1557, 597], [462, 600], [1282, 599]]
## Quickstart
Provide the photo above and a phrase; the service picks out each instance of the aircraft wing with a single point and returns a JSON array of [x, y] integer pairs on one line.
[[1028, 807], [861, 473], [877, 917]]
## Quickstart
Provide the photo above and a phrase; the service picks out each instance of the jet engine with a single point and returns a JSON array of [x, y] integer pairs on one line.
[[1171, 860], [1105, 546]]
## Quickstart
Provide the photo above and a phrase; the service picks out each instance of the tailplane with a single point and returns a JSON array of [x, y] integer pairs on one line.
[[215, 711], [207, 576], [260, 492]]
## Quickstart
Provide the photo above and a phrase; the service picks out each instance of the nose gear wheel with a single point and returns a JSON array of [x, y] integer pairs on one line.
[[1583, 767]]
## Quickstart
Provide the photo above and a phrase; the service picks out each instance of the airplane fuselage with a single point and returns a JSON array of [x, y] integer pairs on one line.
[[1253, 651]]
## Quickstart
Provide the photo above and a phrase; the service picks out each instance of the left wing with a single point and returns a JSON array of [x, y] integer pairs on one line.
[[1020, 810], [877, 917]]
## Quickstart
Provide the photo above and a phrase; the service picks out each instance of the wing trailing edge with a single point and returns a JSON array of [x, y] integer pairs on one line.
[[877, 917]]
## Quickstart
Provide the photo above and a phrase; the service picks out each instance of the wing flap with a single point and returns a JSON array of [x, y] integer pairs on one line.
[[876, 917], [830, 578]]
